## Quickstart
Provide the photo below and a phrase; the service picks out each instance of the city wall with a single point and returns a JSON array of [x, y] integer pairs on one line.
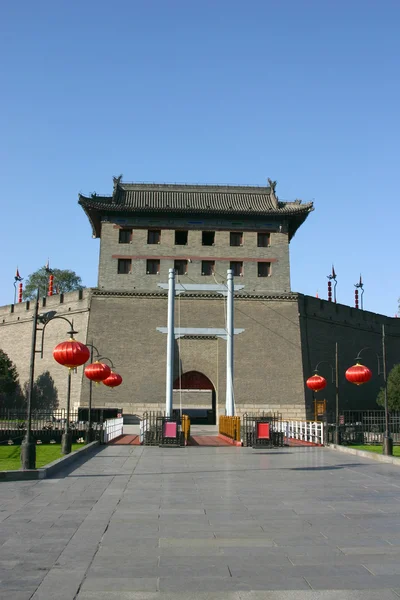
[[16, 338], [323, 324], [283, 340]]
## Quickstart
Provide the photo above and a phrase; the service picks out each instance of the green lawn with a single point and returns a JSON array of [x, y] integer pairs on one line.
[[396, 449], [45, 453]]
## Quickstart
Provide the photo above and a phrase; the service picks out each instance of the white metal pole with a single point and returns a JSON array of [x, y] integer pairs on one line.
[[230, 407], [170, 343]]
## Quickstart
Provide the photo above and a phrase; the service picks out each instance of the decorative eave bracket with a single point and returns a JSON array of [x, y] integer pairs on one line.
[[217, 332], [181, 288]]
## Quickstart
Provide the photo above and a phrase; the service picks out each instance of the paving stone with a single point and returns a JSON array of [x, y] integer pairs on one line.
[[320, 595], [120, 584], [60, 583], [198, 524]]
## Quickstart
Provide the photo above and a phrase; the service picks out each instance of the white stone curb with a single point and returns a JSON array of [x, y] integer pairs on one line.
[[391, 460]]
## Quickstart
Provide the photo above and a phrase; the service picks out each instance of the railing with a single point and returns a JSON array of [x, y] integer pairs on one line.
[[157, 430], [47, 426], [112, 428], [151, 428], [230, 426], [305, 431], [250, 425], [270, 430], [363, 427], [185, 426]]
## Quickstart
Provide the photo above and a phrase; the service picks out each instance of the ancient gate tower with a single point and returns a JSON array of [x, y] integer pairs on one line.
[[200, 231]]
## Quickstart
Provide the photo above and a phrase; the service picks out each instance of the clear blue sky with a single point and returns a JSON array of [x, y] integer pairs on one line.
[[204, 91]]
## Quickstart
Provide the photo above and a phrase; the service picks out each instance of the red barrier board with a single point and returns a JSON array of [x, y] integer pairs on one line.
[[263, 431], [170, 430]]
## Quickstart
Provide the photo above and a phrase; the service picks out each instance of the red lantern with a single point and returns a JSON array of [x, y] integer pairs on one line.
[[113, 380], [358, 374], [71, 354], [97, 371], [316, 383]]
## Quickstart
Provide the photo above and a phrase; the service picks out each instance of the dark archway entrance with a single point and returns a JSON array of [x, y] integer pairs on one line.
[[198, 397]]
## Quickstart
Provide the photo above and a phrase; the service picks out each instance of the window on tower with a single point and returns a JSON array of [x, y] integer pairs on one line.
[[125, 236], [237, 268], [208, 238], [152, 267], [264, 269], [154, 236], [263, 240], [181, 237], [124, 266], [236, 238], [207, 267], [180, 267]]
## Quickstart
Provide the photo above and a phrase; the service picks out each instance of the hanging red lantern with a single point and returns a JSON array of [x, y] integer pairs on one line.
[[97, 371], [358, 374], [113, 380], [71, 354], [316, 383]]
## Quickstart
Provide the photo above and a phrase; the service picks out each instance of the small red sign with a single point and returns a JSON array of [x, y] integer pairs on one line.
[[263, 431], [170, 429]]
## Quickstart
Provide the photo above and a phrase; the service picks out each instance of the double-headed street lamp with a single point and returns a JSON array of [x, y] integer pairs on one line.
[[70, 354], [318, 383], [99, 373], [358, 374]]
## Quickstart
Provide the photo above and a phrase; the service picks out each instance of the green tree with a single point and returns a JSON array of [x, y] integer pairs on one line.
[[11, 396], [393, 390], [64, 281], [44, 393]]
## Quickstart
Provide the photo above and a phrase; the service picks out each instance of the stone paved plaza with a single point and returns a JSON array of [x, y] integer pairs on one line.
[[226, 523]]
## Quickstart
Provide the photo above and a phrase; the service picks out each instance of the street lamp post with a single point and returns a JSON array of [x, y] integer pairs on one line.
[[387, 439], [337, 437], [28, 447], [317, 383], [360, 374], [98, 372], [66, 438], [89, 432]]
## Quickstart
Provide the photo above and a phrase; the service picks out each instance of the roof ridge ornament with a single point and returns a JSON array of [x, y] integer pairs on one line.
[[272, 185], [116, 181]]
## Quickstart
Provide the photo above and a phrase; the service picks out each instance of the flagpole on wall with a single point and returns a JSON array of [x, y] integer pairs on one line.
[[17, 278], [360, 286], [331, 277]]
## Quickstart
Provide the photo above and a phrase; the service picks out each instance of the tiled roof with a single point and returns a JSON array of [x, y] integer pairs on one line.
[[193, 199]]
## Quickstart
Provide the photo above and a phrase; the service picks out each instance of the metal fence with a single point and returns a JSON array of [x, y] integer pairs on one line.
[[158, 430], [271, 423], [311, 432], [363, 427], [230, 426], [113, 428], [46, 426]]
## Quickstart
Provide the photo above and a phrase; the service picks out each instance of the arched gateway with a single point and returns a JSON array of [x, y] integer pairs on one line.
[[194, 392]]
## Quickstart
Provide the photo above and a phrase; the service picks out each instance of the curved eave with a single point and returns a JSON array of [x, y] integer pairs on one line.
[[96, 210], [94, 216], [297, 220]]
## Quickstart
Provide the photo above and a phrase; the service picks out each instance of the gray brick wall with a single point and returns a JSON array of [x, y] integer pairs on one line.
[[284, 338], [16, 335], [268, 369], [139, 251], [325, 323]]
